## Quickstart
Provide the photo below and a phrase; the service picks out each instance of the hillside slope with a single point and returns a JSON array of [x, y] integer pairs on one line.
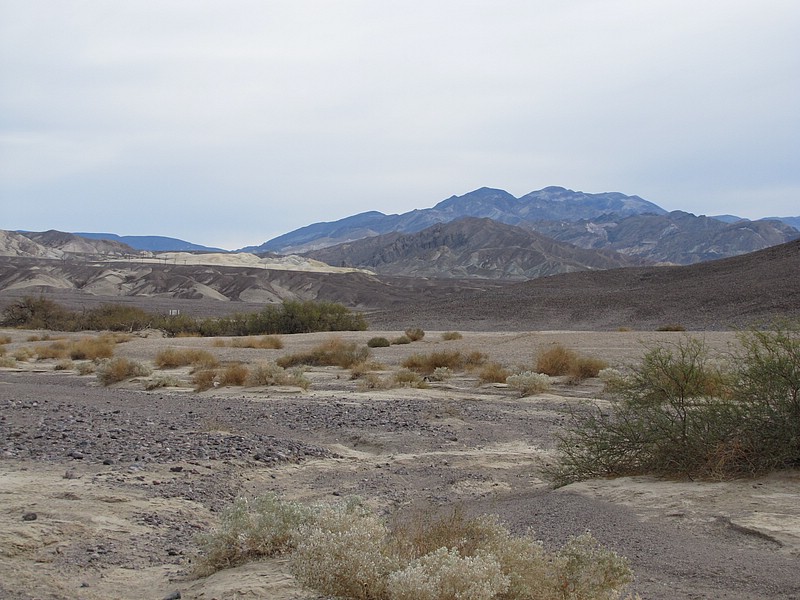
[[469, 247]]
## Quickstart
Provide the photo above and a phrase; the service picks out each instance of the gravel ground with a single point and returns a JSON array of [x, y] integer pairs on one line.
[[121, 480]]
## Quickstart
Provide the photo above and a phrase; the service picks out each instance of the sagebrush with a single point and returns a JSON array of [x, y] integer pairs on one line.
[[345, 551]]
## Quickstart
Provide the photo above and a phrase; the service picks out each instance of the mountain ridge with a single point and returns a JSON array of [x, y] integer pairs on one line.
[[469, 247]]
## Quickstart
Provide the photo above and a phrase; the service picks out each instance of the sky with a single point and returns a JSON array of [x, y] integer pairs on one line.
[[227, 123]]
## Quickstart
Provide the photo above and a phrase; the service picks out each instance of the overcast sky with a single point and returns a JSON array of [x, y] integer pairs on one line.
[[229, 122]]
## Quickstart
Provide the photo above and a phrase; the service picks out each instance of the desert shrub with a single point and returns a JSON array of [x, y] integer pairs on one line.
[[23, 354], [586, 367], [373, 381], [269, 373], [35, 313], [415, 334], [401, 340], [452, 359], [218, 343], [449, 336], [378, 342], [204, 379], [233, 374], [682, 412], [7, 362], [445, 574], [440, 374], [408, 378], [86, 368], [5, 339], [333, 352], [288, 317], [671, 327], [264, 526], [56, 350], [162, 381], [766, 383], [171, 358], [63, 365], [120, 369], [493, 372], [359, 370], [528, 383], [266, 342], [92, 348], [346, 551], [115, 317], [556, 360]]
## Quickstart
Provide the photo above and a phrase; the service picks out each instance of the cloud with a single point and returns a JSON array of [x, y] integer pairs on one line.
[[270, 115]]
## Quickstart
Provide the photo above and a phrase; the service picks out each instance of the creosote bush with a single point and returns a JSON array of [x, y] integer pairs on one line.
[[415, 334], [684, 412], [266, 342], [493, 372], [378, 342], [120, 369], [558, 360], [333, 352], [452, 359], [172, 358], [345, 551], [269, 373]]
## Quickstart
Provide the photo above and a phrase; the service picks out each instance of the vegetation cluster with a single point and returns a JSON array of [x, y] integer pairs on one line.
[[345, 551], [683, 412], [289, 317]]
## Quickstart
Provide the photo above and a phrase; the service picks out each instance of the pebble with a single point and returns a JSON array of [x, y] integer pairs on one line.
[[30, 516]]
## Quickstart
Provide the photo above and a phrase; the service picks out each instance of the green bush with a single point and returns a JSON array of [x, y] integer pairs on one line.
[[682, 412], [378, 342], [401, 340], [289, 317]]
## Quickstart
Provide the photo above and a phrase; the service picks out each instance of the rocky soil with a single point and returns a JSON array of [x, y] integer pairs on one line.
[[103, 490]]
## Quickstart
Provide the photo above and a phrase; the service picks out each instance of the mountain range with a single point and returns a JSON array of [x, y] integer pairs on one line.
[[608, 221]]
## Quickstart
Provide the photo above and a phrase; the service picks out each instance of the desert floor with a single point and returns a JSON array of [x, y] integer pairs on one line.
[[121, 480]]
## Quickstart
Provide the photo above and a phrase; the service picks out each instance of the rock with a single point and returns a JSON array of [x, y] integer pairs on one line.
[[30, 516], [173, 596]]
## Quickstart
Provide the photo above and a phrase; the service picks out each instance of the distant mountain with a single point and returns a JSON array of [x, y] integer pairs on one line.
[[469, 248], [71, 243], [675, 238], [791, 221], [151, 243], [551, 203]]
